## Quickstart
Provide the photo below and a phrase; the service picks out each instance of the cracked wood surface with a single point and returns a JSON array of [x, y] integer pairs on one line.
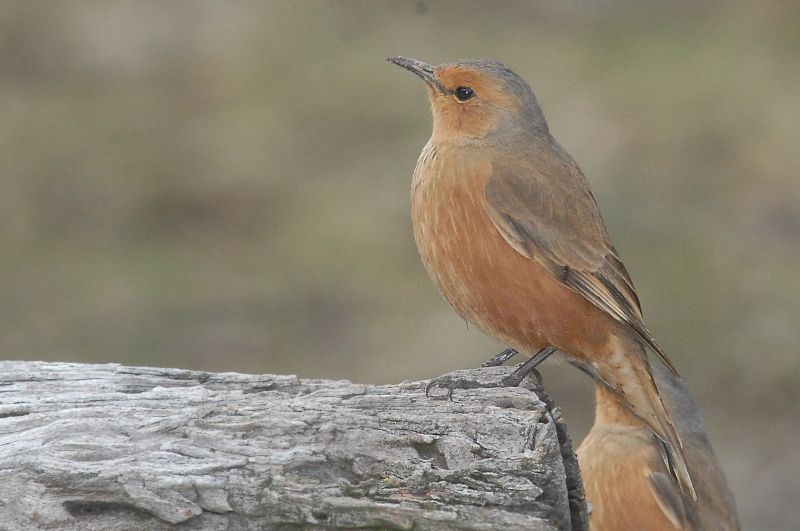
[[112, 447]]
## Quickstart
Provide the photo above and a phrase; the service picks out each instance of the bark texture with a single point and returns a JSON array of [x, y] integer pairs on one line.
[[111, 447]]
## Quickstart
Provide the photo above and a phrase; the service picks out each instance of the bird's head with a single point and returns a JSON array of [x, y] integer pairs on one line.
[[473, 99]]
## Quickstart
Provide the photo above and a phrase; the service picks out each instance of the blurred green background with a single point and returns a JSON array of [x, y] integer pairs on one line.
[[225, 186]]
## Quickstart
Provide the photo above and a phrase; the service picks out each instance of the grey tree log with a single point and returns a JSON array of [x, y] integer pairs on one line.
[[110, 447]]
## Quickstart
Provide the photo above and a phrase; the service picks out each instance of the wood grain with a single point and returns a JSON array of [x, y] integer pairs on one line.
[[113, 447]]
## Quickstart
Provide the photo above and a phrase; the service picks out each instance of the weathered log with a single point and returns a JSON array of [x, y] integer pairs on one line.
[[111, 447]]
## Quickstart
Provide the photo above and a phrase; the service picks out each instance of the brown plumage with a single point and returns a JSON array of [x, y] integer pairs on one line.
[[508, 229], [627, 482]]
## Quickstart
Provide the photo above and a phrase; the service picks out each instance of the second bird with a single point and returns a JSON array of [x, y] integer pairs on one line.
[[509, 231]]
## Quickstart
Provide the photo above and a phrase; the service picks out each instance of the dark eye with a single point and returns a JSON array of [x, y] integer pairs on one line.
[[464, 93]]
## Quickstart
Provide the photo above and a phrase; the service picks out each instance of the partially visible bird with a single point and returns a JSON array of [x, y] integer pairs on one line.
[[510, 232], [626, 480]]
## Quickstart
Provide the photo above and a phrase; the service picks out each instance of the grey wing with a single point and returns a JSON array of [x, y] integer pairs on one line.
[[548, 214], [668, 498]]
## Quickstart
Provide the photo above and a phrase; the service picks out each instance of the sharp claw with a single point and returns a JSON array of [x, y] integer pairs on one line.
[[428, 388], [450, 388], [440, 382]]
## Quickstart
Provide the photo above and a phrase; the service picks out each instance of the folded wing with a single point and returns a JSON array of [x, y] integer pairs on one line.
[[548, 214]]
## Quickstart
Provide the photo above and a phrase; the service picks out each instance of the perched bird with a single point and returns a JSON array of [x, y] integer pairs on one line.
[[510, 233], [624, 474]]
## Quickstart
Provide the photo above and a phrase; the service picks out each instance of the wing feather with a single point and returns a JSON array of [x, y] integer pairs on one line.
[[547, 213], [668, 498]]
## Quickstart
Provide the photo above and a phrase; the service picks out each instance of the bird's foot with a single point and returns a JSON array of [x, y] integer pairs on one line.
[[453, 381], [520, 373], [501, 358]]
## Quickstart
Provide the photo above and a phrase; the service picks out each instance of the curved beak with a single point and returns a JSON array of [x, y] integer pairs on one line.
[[423, 70]]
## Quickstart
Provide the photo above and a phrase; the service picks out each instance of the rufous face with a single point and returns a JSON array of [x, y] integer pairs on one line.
[[470, 98], [467, 103]]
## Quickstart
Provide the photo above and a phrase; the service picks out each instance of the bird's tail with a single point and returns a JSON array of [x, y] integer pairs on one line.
[[631, 380]]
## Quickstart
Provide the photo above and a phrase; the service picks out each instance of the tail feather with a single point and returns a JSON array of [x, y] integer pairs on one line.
[[628, 375], [670, 439]]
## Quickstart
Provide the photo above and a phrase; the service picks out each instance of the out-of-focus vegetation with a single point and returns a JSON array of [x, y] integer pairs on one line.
[[225, 185]]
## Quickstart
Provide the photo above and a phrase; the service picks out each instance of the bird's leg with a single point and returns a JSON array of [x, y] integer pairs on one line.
[[499, 359], [529, 367], [451, 382]]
